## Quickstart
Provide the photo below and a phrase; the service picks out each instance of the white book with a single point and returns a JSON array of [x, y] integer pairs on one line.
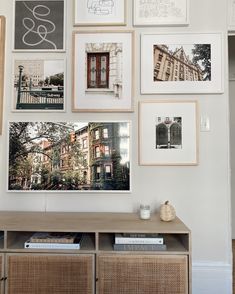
[[123, 239], [31, 245]]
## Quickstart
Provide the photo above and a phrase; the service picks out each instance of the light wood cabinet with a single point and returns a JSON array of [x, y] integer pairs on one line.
[[96, 267]]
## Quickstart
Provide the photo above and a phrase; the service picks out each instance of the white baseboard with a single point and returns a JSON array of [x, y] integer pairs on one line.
[[211, 278]]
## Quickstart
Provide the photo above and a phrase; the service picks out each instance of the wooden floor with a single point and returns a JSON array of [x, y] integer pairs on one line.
[[234, 266]]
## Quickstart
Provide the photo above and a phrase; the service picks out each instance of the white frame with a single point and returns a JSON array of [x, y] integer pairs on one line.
[[148, 113], [100, 20], [168, 20], [83, 99], [74, 191], [148, 86], [40, 50], [39, 57], [2, 65], [231, 15]]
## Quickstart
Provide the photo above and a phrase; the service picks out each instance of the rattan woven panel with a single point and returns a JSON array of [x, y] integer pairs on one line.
[[149, 274], [50, 274]]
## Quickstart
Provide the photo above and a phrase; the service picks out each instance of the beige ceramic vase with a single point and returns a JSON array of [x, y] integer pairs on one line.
[[167, 212]]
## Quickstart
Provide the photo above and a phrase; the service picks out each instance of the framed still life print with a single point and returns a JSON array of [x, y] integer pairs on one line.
[[99, 12], [181, 63], [2, 58], [161, 12], [168, 133], [103, 71], [39, 25]]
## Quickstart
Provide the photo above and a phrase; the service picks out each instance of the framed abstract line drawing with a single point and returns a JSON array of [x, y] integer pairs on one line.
[[161, 12], [168, 133], [2, 61], [39, 25], [39, 84], [83, 156], [175, 63], [99, 12], [103, 71]]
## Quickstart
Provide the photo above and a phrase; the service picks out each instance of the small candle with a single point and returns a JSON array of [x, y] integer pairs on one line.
[[144, 211]]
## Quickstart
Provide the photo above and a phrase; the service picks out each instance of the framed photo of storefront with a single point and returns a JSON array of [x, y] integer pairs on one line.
[[39, 25], [2, 61], [181, 63], [99, 13], [168, 133], [103, 71], [161, 13]]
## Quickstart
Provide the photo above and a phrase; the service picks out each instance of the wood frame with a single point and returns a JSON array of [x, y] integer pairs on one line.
[[92, 22], [168, 20], [85, 101], [2, 61], [51, 30], [187, 152], [208, 79]]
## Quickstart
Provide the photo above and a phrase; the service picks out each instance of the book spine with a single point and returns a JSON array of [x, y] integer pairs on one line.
[[139, 247], [125, 240], [30, 245]]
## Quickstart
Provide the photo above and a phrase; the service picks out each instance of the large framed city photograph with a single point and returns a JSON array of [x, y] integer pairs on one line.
[[168, 133], [103, 70], [39, 25], [181, 63], [2, 62], [69, 156], [99, 12]]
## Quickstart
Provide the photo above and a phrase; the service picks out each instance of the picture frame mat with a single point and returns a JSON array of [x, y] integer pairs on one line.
[[125, 104], [148, 112], [94, 22], [148, 86]]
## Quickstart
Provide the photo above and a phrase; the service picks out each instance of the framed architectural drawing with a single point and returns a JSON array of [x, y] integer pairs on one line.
[[231, 15], [38, 84], [103, 71], [168, 133], [161, 12], [69, 156], [2, 61], [181, 63], [99, 12], [39, 25]]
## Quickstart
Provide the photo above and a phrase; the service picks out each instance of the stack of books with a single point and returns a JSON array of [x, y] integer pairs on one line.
[[139, 242], [46, 240]]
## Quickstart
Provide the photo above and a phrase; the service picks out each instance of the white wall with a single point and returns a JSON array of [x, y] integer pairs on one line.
[[200, 194]]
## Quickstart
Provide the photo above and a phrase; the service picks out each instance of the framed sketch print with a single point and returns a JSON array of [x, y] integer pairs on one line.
[[181, 63], [2, 61], [38, 84], [69, 156], [39, 25], [168, 133], [99, 12], [103, 71], [161, 12]]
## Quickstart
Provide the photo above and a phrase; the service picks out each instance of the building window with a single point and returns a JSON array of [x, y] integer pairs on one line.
[[97, 174], [108, 172], [97, 70], [105, 133], [167, 76], [84, 143], [97, 151], [97, 135], [157, 65], [106, 151], [160, 57]]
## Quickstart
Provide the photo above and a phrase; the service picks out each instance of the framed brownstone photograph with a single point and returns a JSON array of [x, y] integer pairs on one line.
[[181, 63], [168, 133], [69, 156], [2, 61], [103, 71]]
